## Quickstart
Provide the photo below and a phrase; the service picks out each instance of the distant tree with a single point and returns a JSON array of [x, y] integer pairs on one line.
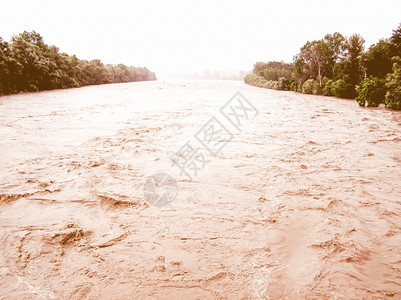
[[339, 66], [273, 70], [28, 64], [258, 67]]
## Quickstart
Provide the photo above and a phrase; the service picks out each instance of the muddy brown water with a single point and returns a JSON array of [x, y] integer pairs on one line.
[[303, 202]]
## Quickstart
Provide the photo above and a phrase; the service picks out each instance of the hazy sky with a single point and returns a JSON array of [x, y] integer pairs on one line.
[[191, 36]]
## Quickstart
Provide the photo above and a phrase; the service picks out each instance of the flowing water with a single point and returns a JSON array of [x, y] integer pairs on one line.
[[303, 202]]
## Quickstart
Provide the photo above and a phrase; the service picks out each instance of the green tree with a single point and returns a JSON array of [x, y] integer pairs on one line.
[[350, 69], [336, 46], [6, 69], [327, 87], [34, 65], [342, 88], [393, 84], [377, 60], [354, 49], [395, 42], [371, 91], [28, 64], [273, 70], [318, 58], [309, 86]]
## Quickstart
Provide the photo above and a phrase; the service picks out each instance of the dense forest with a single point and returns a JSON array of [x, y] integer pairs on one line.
[[28, 64], [339, 66]]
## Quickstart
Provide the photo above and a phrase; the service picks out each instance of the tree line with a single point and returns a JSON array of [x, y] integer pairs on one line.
[[28, 64], [339, 66]]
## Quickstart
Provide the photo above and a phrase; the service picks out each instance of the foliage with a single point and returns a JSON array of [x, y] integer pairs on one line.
[[340, 66], [377, 60], [343, 89], [28, 64], [259, 81], [371, 91], [309, 86], [292, 85], [393, 85], [395, 43], [317, 59], [352, 67], [317, 56], [273, 70], [328, 87], [255, 80], [282, 84]]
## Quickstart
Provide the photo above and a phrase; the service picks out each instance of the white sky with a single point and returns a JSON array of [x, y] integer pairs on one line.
[[190, 36]]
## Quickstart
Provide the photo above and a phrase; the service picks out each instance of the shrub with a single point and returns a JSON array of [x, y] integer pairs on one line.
[[393, 84], [299, 87], [309, 86], [282, 84], [343, 89], [255, 80], [371, 91], [271, 84], [291, 85], [317, 89], [268, 84], [327, 88]]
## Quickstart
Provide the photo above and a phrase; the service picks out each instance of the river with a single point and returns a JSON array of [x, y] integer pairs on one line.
[[302, 200]]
